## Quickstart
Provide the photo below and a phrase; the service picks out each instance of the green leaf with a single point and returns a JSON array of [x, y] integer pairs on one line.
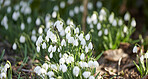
[[99, 56]]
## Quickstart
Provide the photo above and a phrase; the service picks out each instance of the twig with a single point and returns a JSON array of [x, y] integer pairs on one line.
[[24, 70]]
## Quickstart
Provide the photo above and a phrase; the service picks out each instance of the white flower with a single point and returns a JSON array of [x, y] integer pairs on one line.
[[65, 56], [54, 14], [91, 77], [142, 58], [29, 20], [40, 30], [42, 71], [81, 36], [95, 64], [63, 67], [15, 16], [125, 29], [14, 46], [106, 31], [111, 18], [114, 23], [33, 38], [84, 64], [56, 8], [38, 49], [82, 56], [133, 23], [51, 55], [76, 70], [90, 64], [62, 61], [120, 22], [90, 46], [127, 17], [3, 75], [36, 69], [76, 43], [98, 26], [53, 48], [103, 12], [39, 41], [101, 17], [71, 59], [62, 33], [4, 22], [146, 55], [63, 42], [8, 9], [86, 49], [67, 30], [77, 30], [89, 6], [76, 9], [53, 66], [86, 74], [44, 45], [22, 26], [45, 65], [135, 50], [68, 35], [62, 4], [99, 4], [6, 66], [83, 42], [22, 39], [100, 33], [71, 13], [70, 1], [91, 26], [71, 40], [60, 55], [88, 19], [50, 74], [87, 37]]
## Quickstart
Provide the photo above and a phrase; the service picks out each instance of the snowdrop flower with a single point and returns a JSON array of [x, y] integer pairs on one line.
[[76, 70], [38, 49], [4, 22], [54, 14], [86, 49], [45, 65], [77, 30], [114, 23], [91, 26], [7, 2], [125, 29], [44, 45], [62, 61], [98, 26], [120, 22], [53, 66], [142, 58], [84, 64], [86, 74], [42, 71], [68, 35], [133, 23], [67, 30], [51, 55], [71, 13], [99, 4], [40, 30], [127, 17], [38, 21], [90, 64], [76, 9], [82, 56], [14, 46], [36, 69], [39, 41], [94, 17], [22, 39], [90, 46], [15, 16], [111, 18], [53, 38], [65, 56], [75, 42], [95, 64], [50, 48], [90, 6], [62, 33], [62, 4], [29, 20], [53, 48], [22, 26], [81, 8], [27, 10], [71, 59], [7, 66], [80, 36], [71, 40], [101, 17], [146, 55], [70, 1], [33, 38], [60, 55], [63, 67], [91, 77], [135, 49], [100, 33], [3, 75], [103, 12], [88, 19], [8, 9], [87, 37], [50, 74], [63, 42], [106, 31], [56, 8], [83, 42]]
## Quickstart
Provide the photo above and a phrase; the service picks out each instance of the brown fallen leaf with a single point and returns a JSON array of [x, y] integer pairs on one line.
[[115, 55]]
